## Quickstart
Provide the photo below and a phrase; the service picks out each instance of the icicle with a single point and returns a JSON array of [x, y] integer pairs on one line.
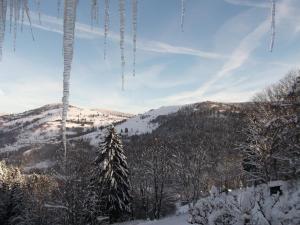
[[11, 8], [94, 12], [16, 12], [134, 28], [183, 8], [3, 9], [273, 12], [38, 6], [106, 25], [68, 47], [58, 7], [23, 15], [28, 16], [122, 36]]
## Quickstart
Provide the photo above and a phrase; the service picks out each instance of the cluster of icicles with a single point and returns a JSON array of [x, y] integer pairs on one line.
[[19, 9]]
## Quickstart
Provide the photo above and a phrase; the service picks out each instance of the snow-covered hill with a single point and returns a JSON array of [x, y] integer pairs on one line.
[[143, 123], [31, 138], [42, 125]]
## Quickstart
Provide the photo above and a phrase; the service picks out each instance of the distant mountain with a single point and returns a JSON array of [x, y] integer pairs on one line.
[[31, 138], [42, 125]]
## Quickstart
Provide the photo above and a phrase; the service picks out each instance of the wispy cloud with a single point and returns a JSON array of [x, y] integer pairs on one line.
[[154, 77], [27, 95], [251, 3], [1, 92], [239, 57], [26, 85], [84, 31]]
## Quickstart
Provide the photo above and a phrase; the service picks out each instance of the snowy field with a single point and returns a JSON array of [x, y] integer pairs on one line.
[[173, 220]]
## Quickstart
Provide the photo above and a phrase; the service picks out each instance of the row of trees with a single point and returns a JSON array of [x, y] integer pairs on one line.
[[190, 151], [272, 149]]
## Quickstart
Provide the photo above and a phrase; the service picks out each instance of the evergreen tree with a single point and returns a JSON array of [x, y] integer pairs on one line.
[[12, 208], [110, 179]]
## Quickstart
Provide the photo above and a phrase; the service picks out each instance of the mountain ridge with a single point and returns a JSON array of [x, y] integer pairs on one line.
[[31, 138]]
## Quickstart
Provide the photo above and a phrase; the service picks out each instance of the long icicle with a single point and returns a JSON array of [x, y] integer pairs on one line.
[[106, 25], [16, 12], [273, 12], [94, 12], [38, 6], [28, 17], [3, 10], [58, 7], [11, 8], [23, 15], [134, 29], [122, 36], [68, 49], [183, 8]]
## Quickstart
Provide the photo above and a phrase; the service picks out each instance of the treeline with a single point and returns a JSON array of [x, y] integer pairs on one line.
[[272, 148], [226, 145], [190, 151]]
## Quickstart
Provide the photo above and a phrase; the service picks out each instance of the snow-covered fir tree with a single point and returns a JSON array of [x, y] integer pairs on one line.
[[110, 179]]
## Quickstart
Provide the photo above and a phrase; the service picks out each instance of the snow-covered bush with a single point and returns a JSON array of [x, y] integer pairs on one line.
[[217, 209], [251, 206]]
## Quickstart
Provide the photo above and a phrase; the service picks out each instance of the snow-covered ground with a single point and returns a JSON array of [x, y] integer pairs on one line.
[[254, 204], [142, 123], [179, 219], [273, 203], [173, 220]]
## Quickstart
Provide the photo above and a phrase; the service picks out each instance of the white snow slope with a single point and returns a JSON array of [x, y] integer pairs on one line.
[[142, 123], [43, 125], [173, 220]]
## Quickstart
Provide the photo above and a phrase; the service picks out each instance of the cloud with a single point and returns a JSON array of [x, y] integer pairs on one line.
[[156, 77], [27, 85], [238, 58], [251, 3], [27, 95], [1, 92], [84, 31], [161, 47]]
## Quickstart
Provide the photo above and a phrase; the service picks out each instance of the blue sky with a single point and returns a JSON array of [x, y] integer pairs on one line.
[[222, 55]]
